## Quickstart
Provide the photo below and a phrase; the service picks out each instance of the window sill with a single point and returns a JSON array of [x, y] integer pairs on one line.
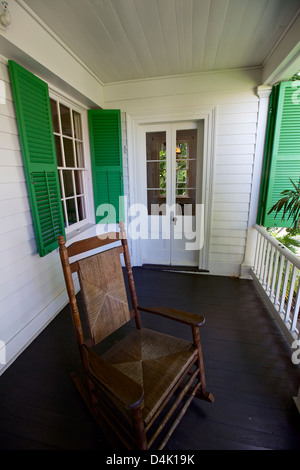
[[70, 236]]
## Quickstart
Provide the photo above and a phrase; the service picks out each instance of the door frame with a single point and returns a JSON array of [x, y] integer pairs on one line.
[[133, 122]]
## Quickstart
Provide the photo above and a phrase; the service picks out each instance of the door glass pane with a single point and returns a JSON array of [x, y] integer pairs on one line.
[[186, 170], [156, 157], [156, 175]]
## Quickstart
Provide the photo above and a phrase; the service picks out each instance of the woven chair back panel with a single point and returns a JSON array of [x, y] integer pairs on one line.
[[104, 293]]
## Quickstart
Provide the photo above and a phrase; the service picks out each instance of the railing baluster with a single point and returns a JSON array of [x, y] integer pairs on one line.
[[271, 270], [266, 266], [276, 271], [261, 259], [291, 294], [296, 310], [279, 278], [257, 251], [274, 274], [284, 287]]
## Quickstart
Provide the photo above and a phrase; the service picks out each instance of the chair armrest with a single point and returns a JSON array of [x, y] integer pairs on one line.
[[114, 381], [192, 319]]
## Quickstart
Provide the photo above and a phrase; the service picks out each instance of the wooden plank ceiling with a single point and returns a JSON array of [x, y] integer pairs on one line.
[[122, 40]]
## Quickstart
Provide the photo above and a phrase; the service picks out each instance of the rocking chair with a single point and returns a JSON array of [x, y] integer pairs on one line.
[[142, 386]]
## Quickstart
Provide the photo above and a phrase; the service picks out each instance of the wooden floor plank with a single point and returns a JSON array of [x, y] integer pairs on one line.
[[247, 363]]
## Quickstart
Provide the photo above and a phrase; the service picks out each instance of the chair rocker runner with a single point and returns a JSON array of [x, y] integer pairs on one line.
[[142, 386]]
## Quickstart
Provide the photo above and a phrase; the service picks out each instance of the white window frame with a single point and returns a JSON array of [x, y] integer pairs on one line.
[[87, 172]]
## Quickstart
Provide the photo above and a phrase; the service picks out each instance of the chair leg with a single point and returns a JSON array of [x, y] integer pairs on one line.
[[203, 394], [138, 425]]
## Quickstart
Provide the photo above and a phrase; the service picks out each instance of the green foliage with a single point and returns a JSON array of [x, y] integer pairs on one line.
[[289, 238], [289, 204], [296, 76]]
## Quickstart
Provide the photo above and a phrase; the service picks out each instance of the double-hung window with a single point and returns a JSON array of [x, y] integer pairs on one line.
[[71, 162]]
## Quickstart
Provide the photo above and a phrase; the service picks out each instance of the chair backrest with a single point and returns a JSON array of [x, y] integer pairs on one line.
[[102, 285], [104, 293]]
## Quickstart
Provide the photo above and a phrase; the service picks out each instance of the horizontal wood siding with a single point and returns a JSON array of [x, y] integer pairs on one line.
[[235, 151]]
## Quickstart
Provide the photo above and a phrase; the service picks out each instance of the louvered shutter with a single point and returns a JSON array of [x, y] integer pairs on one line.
[[282, 151], [31, 98], [106, 156]]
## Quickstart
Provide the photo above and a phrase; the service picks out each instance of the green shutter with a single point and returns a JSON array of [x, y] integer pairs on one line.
[[282, 151], [31, 98], [106, 155]]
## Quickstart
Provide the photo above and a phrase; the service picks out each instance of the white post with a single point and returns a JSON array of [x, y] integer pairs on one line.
[[263, 92]]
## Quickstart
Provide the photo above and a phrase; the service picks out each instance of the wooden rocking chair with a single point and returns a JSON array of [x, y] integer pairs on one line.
[[142, 386]]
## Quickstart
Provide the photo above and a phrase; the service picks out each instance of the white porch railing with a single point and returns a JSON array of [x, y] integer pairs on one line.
[[276, 271]]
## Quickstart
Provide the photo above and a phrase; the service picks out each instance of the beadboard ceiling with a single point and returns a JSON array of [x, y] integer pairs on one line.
[[121, 40]]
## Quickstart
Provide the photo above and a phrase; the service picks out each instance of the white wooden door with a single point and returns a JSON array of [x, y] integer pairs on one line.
[[170, 188]]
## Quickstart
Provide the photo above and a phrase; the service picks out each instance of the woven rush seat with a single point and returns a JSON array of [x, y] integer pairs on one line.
[[153, 360]]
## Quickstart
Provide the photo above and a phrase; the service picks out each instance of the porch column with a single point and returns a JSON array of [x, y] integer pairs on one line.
[[263, 93]]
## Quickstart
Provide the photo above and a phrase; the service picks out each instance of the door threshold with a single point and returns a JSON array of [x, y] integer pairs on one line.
[[165, 267]]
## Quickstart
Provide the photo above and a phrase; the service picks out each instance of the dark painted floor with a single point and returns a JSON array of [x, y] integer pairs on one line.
[[247, 363]]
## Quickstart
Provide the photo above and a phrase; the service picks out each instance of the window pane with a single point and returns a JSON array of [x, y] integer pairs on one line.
[[71, 211], [69, 154], [54, 114], [81, 208], [68, 183], [78, 182], [65, 117], [77, 125], [79, 152], [64, 215], [58, 150]]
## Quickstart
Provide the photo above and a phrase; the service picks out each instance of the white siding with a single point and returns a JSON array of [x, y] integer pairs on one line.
[[235, 150], [236, 102]]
